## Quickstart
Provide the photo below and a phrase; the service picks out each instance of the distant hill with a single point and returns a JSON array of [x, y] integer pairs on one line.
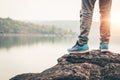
[[58, 27], [68, 24], [74, 25], [64, 24], [10, 26]]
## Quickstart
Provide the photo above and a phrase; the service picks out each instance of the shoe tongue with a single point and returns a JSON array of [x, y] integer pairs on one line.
[[79, 43]]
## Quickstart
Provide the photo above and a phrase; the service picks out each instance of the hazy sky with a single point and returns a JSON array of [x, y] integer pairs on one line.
[[48, 9]]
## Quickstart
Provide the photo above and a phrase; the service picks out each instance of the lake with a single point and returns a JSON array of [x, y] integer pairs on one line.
[[34, 54]]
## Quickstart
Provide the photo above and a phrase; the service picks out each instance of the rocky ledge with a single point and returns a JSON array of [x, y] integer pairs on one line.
[[94, 65]]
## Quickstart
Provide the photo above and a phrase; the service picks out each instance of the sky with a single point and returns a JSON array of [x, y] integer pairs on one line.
[[50, 9]]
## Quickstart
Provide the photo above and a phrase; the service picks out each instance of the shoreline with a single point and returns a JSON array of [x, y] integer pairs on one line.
[[35, 35]]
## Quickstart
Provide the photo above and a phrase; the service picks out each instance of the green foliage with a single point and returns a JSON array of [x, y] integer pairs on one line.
[[9, 26]]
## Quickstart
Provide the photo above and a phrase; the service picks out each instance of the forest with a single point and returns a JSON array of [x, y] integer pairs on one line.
[[10, 26]]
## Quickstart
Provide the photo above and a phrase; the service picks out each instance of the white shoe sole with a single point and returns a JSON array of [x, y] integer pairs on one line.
[[80, 51], [104, 50]]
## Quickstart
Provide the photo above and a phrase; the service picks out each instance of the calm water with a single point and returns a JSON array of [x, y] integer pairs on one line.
[[35, 54]]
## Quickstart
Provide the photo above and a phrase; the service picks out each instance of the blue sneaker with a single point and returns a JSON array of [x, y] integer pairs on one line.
[[104, 47], [79, 48]]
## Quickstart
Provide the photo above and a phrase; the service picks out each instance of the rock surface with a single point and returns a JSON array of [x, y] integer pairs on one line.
[[94, 65]]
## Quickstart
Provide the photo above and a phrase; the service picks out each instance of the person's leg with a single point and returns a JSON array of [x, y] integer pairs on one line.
[[105, 9], [86, 14], [85, 23]]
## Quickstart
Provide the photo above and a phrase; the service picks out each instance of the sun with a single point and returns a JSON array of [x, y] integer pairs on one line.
[[115, 18]]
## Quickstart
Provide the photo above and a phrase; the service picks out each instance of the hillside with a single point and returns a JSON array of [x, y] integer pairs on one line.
[[65, 24], [10, 26], [75, 24]]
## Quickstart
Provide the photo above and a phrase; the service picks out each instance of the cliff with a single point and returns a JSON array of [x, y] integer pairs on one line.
[[94, 65]]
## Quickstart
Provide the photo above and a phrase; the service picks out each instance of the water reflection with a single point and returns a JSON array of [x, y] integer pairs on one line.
[[8, 42]]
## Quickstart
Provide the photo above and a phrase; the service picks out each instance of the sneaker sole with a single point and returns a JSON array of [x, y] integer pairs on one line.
[[80, 51], [104, 50]]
